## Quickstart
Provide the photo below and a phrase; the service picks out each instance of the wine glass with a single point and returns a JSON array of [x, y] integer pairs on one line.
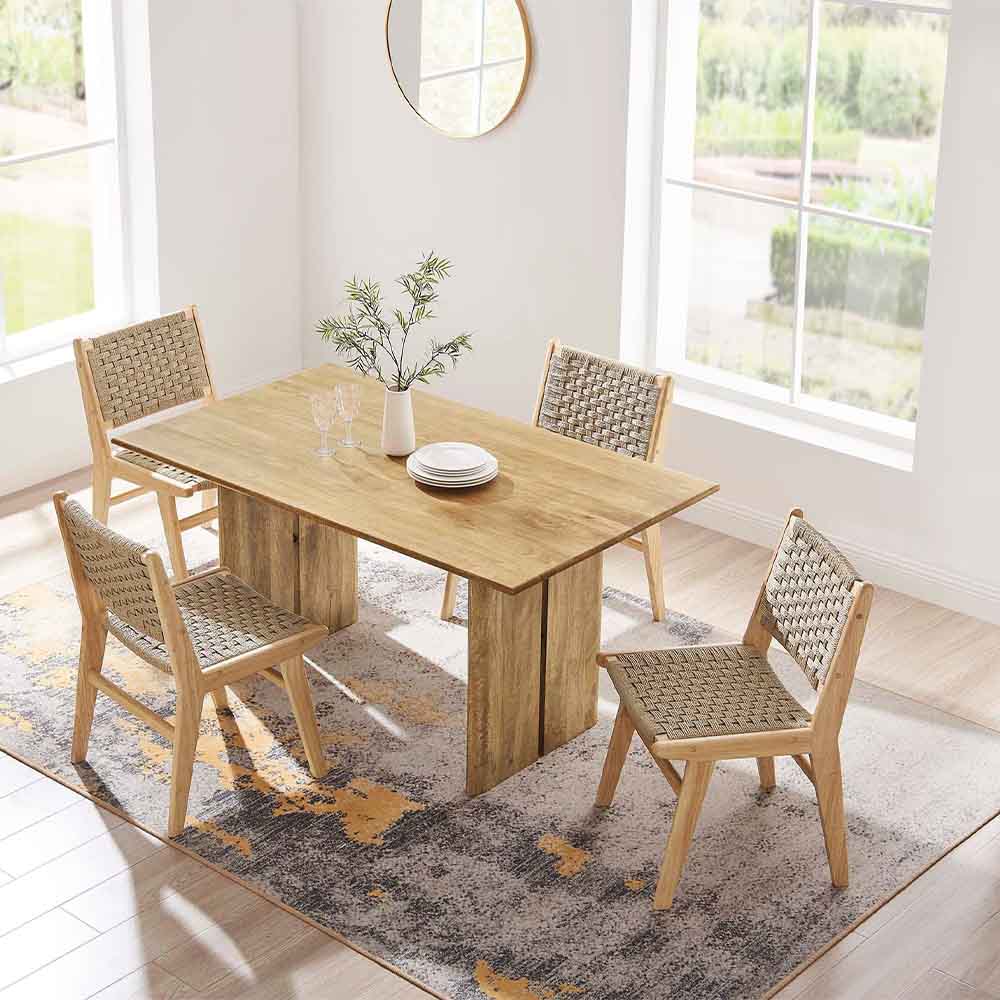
[[349, 405], [324, 409]]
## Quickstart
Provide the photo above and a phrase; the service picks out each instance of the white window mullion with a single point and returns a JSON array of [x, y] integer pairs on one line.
[[445, 73], [480, 59], [125, 248], [678, 123], [895, 5], [3, 321], [45, 154], [805, 186], [105, 197], [812, 209]]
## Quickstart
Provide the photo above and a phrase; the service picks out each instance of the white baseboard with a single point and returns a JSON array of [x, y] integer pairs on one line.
[[964, 594]]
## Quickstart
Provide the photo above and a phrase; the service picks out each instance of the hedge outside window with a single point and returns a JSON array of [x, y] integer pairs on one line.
[[800, 164]]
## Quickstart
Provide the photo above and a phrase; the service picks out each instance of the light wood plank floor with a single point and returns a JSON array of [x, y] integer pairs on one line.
[[90, 906]]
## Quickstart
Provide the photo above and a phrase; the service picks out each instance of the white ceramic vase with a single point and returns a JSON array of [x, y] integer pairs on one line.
[[398, 436]]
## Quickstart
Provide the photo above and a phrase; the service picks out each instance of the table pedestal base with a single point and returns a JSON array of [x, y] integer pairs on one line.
[[532, 655], [299, 564], [532, 670]]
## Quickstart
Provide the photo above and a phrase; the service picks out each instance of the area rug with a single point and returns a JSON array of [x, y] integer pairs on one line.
[[526, 892]]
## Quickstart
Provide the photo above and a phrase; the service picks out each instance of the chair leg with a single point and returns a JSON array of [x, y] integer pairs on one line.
[[450, 593], [765, 768], [696, 777], [621, 740], [209, 499], [652, 552], [297, 685], [92, 642], [182, 768], [830, 795], [101, 493], [220, 697], [172, 530]]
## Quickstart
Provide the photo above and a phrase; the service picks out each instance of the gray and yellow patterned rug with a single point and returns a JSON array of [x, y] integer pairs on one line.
[[527, 892]]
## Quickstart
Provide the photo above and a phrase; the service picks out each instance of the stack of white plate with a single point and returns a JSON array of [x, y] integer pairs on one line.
[[452, 465]]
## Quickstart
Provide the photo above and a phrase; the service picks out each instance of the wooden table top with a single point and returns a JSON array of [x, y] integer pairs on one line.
[[555, 502]]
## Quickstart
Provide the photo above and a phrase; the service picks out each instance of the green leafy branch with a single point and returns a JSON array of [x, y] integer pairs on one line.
[[364, 335]]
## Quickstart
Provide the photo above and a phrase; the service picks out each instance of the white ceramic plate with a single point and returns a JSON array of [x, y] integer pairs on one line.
[[478, 478], [452, 456], [438, 484], [415, 470], [421, 469]]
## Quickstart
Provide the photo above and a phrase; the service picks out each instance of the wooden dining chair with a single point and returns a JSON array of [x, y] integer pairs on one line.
[[132, 373], [703, 704], [208, 631], [610, 405]]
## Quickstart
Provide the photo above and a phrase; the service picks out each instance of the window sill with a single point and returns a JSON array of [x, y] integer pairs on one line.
[[749, 415], [10, 371], [51, 344]]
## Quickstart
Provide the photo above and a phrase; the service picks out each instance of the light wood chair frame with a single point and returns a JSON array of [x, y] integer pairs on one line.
[[650, 541], [279, 662], [107, 468], [814, 748]]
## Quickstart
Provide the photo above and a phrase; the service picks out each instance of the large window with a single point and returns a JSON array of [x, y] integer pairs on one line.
[[60, 211], [800, 152]]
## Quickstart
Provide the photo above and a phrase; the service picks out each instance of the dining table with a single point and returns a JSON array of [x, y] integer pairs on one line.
[[530, 542]]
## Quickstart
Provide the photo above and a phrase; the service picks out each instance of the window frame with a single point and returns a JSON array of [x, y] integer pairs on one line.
[[104, 76], [771, 400]]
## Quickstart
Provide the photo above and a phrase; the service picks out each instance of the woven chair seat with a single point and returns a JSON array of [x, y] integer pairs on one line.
[[179, 476], [224, 617], [697, 691]]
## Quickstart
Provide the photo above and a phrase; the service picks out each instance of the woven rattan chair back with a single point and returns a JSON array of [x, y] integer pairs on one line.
[[114, 567], [807, 598], [602, 402], [147, 368]]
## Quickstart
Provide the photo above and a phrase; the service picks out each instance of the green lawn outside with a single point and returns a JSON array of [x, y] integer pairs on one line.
[[47, 270]]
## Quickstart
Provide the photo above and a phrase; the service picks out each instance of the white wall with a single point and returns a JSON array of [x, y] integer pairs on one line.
[[225, 147], [225, 117], [532, 214]]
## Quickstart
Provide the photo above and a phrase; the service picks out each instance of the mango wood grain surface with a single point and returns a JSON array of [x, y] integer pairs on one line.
[[306, 567], [572, 641], [555, 502], [503, 704]]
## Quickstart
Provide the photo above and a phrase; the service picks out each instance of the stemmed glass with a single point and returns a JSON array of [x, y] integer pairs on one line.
[[324, 409], [349, 405]]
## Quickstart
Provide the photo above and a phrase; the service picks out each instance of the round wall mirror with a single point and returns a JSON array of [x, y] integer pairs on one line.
[[462, 65]]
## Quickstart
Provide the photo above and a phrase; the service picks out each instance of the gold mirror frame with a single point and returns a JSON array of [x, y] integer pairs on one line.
[[517, 100]]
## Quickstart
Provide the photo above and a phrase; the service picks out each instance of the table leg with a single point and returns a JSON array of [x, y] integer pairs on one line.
[[572, 641], [532, 670], [303, 566], [328, 575], [504, 694], [259, 543]]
